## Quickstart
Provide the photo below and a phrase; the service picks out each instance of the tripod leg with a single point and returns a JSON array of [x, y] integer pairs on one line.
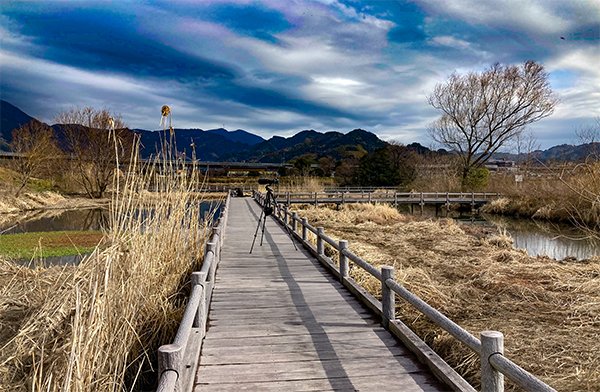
[[256, 232], [263, 230]]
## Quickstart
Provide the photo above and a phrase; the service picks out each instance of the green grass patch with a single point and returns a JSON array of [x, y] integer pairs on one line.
[[48, 243]]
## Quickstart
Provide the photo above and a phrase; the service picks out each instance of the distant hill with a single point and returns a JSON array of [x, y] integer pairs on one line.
[[334, 144], [568, 152], [560, 153], [11, 117], [239, 145], [207, 146], [238, 136]]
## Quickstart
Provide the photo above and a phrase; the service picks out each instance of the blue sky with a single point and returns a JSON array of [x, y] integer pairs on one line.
[[281, 66]]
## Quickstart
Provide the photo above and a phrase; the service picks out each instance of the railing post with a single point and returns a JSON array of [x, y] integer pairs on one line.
[[304, 229], [316, 200], [320, 245], [212, 247], [294, 221], [369, 197], [388, 297], [492, 342], [343, 244], [170, 357], [287, 194], [285, 214]]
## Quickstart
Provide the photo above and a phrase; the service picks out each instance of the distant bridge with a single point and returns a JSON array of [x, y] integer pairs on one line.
[[389, 196]]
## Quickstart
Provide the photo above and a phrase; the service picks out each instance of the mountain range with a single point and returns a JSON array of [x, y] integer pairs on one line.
[[239, 145]]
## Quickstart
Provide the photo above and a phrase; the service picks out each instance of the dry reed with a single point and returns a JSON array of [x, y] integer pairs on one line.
[[97, 326], [549, 311], [302, 184]]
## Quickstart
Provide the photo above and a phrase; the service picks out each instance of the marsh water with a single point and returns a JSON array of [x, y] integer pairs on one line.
[[68, 220], [538, 238]]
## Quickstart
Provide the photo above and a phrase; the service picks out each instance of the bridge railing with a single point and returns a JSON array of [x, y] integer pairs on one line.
[[386, 195], [490, 346], [177, 361]]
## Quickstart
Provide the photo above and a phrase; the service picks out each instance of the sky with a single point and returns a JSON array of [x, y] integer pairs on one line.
[[276, 67]]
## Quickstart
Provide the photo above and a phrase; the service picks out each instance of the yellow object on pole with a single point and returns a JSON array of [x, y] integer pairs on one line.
[[165, 113]]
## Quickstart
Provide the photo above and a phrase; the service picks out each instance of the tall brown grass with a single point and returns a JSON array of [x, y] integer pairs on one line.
[[570, 194], [549, 311], [303, 184], [96, 326]]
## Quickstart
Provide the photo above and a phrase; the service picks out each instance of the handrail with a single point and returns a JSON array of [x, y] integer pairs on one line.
[[436, 316], [362, 263], [172, 357], [414, 195], [494, 365]]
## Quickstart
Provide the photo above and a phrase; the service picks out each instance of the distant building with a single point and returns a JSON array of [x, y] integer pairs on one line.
[[501, 165]]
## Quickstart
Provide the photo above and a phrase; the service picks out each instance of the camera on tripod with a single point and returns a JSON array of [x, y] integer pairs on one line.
[[268, 208]]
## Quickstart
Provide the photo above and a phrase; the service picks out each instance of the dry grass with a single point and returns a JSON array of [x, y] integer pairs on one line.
[[549, 311], [570, 193], [34, 201], [97, 326], [302, 184]]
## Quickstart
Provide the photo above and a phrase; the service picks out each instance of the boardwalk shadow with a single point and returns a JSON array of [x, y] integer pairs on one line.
[[336, 374], [333, 366]]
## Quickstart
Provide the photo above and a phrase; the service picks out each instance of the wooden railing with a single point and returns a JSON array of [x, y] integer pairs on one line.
[[177, 361], [494, 365], [384, 195]]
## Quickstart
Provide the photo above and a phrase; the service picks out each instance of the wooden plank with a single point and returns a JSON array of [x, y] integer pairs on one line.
[[370, 354], [416, 383], [366, 335], [299, 370]]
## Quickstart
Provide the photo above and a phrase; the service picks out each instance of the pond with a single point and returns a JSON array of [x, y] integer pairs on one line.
[[57, 220], [92, 220], [558, 241]]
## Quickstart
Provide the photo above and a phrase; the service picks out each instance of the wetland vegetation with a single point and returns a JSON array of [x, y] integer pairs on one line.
[[97, 325], [548, 310]]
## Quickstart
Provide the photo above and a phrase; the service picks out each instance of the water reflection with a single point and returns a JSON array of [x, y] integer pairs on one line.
[[548, 239], [51, 261], [58, 220], [537, 238]]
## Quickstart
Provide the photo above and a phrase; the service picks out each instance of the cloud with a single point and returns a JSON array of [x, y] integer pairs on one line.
[[530, 17], [276, 67]]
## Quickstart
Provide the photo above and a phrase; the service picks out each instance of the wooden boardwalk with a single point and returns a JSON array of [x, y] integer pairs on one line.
[[279, 322]]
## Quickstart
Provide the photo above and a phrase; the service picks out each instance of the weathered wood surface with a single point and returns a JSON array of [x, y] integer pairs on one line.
[[279, 322]]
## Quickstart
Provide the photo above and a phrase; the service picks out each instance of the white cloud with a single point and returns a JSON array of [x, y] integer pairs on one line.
[[579, 99], [449, 41], [534, 16]]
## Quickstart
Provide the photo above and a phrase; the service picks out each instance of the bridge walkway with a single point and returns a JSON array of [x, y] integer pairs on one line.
[[279, 322]]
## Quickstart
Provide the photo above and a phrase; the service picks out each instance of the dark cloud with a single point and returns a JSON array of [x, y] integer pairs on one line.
[[107, 40]]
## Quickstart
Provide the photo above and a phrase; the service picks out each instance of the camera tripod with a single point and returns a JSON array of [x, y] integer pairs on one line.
[[268, 208]]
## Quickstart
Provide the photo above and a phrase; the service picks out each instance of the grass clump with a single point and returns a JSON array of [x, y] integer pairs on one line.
[[549, 311], [48, 244], [97, 326]]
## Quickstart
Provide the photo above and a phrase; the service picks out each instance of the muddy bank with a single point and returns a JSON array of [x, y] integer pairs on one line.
[[549, 311]]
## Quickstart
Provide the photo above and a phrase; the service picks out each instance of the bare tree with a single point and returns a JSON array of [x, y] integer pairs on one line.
[[96, 141], [35, 147], [483, 111]]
